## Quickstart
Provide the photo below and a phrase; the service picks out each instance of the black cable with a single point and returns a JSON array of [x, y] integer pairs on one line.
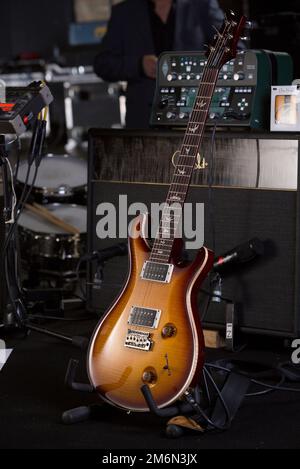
[[212, 295], [83, 259], [222, 400], [210, 183], [58, 318], [258, 163], [17, 167], [211, 215], [204, 415], [206, 387], [34, 155], [19, 211], [9, 282], [205, 311], [267, 391], [254, 381]]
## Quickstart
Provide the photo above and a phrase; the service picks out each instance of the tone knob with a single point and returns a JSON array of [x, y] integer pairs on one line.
[[169, 330]]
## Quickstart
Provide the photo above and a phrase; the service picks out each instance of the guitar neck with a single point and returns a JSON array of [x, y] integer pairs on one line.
[[171, 214]]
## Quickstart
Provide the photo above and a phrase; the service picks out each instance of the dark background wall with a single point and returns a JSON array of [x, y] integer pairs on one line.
[[37, 26], [34, 26]]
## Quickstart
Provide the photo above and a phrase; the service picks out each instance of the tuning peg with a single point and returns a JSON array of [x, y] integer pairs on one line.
[[218, 35], [248, 24]]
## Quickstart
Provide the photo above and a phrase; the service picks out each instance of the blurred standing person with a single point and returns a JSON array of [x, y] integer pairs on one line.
[[138, 32]]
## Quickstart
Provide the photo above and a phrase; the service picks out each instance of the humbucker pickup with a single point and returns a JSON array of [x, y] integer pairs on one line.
[[139, 340], [145, 317], [157, 272]]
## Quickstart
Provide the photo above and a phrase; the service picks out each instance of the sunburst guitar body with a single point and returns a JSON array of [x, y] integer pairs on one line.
[[152, 334]]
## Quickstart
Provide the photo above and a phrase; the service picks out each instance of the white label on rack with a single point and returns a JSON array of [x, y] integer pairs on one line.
[[4, 354]]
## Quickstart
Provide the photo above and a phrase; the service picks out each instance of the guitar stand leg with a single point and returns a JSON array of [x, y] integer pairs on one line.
[[182, 408], [76, 415], [82, 413]]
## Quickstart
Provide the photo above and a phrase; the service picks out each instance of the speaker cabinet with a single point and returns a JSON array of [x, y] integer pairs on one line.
[[2, 274], [249, 186]]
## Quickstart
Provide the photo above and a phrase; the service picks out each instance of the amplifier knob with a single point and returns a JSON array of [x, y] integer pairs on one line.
[[163, 103], [172, 76], [239, 76], [170, 115], [214, 115], [183, 115]]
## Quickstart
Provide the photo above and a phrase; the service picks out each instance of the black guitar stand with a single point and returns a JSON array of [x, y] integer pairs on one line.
[[197, 406]]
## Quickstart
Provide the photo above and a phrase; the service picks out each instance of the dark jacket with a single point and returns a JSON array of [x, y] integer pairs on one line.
[[129, 38]]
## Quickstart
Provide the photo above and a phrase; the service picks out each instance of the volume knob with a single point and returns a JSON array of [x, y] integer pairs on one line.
[[169, 330]]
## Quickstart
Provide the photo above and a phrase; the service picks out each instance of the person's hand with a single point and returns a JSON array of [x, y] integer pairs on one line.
[[149, 63]]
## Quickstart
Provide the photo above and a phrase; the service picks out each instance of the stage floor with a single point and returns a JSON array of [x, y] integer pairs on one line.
[[33, 397]]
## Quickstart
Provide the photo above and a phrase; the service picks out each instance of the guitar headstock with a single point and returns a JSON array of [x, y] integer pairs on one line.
[[226, 40]]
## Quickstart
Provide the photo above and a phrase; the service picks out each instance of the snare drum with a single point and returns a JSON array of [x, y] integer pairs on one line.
[[60, 178], [48, 246]]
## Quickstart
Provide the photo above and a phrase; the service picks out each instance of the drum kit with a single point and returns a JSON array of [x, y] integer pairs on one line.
[[49, 253]]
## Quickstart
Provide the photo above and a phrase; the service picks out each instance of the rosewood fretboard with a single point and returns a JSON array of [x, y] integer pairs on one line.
[[171, 214]]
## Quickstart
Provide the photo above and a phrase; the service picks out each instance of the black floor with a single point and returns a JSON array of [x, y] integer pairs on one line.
[[33, 397]]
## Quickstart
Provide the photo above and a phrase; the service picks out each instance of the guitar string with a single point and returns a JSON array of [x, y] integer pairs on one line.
[[187, 141], [176, 186], [209, 79], [207, 74]]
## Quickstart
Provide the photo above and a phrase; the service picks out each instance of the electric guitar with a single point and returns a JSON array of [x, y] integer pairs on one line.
[[152, 334]]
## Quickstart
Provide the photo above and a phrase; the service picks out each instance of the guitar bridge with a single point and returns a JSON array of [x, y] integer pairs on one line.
[[157, 272], [138, 340]]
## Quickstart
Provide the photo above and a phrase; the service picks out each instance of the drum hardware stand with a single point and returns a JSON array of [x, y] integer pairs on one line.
[[15, 315]]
